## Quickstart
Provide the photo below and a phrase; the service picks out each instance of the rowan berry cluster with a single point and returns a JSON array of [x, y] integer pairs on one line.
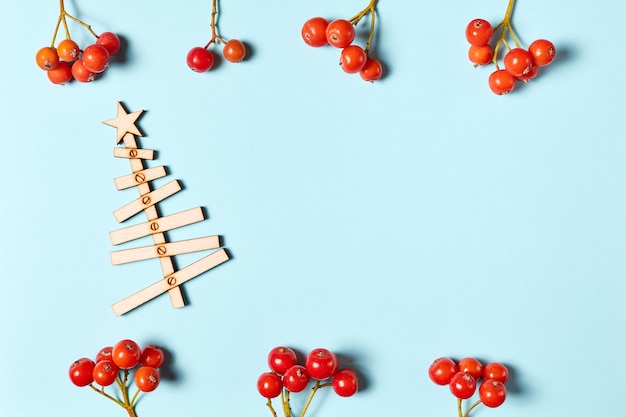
[[463, 377], [201, 58], [519, 64], [340, 33], [113, 364], [286, 376], [66, 60]]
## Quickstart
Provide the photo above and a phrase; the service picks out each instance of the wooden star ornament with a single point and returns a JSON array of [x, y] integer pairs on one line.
[[124, 122]]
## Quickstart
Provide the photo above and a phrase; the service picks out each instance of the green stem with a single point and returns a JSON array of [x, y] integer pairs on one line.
[[134, 399], [269, 405], [63, 15], [110, 397], [371, 9], [505, 27], [472, 407], [317, 386], [459, 403]]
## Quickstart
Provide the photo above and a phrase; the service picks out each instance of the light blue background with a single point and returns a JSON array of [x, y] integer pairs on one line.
[[392, 223]]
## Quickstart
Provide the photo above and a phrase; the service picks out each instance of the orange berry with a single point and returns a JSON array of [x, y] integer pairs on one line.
[[234, 50], [47, 58], [68, 50]]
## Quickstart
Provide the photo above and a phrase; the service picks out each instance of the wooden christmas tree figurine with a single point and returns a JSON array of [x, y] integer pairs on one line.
[[157, 225]]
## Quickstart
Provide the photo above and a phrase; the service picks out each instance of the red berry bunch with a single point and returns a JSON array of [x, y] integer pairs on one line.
[[519, 64], [464, 376], [201, 59], [113, 365], [66, 60], [286, 376], [340, 33]]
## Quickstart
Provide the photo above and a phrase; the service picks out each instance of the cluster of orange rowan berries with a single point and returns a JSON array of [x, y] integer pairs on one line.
[[68, 61]]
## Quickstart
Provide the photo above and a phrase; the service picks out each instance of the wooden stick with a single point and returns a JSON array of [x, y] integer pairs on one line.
[[146, 200], [133, 153], [167, 265], [172, 281], [139, 177], [158, 225], [166, 249]]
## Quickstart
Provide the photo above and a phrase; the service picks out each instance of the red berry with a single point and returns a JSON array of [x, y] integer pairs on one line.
[[478, 32], [518, 62], [462, 385], [501, 82], [372, 70], [340, 33], [105, 372], [314, 32], [492, 393], [280, 359], [543, 51], [345, 383], [82, 74], [497, 371], [321, 364], [480, 55], [152, 356], [126, 354], [147, 378], [95, 58], [47, 58], [442, 370], [110, 41], [234, 50], [104, 353], [296, 378], [269, 385], [200, 59], [530, 75], [81, 372], [60, 74], [471, 366], [352, 59]]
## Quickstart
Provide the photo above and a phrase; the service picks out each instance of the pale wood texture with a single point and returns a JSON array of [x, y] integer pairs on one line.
[[146, 200], [133, 153], [173, 281], [156, 226], [165, 249], [139, 177]]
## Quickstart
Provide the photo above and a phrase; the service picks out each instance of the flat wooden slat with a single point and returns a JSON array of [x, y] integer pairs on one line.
[[139, 177], [146, 200], [165, 249], [177, 278], [158, 225], [132, 153]]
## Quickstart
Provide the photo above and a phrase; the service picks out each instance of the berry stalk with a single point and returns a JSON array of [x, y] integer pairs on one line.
[[63, 15], [214, 35], [371, 9], [505, 27]]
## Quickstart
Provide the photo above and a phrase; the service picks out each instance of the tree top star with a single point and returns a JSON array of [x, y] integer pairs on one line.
[[124, 122]]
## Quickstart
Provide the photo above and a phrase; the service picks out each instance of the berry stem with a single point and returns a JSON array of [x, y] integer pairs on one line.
[[472, 407], [459, 403], [505, 27], [317, 386], [101, 392], [214, 36], [63, 15], [134, 399], [271, 407], [371, 9]]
